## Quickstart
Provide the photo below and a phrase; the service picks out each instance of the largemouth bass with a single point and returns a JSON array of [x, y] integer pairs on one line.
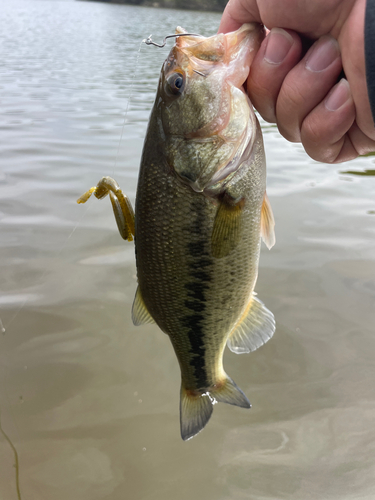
[[201, 210]]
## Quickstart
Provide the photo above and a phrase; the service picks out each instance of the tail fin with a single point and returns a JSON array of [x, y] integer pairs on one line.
[[195, 412], [230, 393], [196, 408]]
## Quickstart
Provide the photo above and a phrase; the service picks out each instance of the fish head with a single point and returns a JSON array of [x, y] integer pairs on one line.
[[207, 119]]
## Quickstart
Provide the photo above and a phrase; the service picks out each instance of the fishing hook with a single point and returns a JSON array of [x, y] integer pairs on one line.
[[148, 41]]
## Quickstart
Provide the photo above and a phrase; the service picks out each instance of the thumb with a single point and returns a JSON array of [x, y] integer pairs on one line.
[[238, 12]]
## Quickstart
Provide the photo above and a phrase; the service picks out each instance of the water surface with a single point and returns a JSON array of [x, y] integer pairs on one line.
[[89, 401]]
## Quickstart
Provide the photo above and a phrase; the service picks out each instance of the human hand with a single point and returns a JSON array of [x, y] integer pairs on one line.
[[299, 91]]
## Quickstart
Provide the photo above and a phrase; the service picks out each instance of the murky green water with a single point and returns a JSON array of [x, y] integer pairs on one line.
[[89, 401]]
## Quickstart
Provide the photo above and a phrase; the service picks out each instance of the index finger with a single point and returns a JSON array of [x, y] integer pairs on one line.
[[238, 12]]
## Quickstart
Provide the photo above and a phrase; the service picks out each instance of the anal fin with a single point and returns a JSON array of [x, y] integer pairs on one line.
[[254, 328], [140, 314]]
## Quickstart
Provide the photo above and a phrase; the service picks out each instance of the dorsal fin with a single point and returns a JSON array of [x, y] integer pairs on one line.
[[254, 328], [267, 223], [140, 314]]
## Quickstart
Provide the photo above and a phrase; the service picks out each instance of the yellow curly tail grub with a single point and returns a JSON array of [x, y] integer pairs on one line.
[[121, 205]]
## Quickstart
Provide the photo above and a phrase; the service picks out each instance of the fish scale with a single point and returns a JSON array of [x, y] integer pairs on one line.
[[167, 263], [201, 209]]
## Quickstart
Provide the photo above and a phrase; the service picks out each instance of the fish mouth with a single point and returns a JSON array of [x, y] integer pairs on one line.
[[236, 50], [217, 125]]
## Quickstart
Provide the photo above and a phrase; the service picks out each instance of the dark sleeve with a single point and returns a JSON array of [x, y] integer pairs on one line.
[[370, 53]]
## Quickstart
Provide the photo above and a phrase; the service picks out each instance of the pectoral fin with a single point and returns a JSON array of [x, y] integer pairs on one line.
[[226, 232], [140, 314], [254, 328], [267, 223]]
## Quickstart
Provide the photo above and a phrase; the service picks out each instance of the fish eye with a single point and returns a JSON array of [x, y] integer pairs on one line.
[[175, 84]]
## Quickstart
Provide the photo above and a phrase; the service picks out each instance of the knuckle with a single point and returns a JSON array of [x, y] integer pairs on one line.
[[291, 96], [316, 142], [288, 108], [312, 131]]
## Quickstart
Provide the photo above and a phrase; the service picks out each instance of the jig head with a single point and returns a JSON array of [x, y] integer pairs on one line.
[[148, 41]]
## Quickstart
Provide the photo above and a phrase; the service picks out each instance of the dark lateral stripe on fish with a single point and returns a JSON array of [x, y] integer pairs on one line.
[[195, 305], [200, 275], [195, 248], [196, 290], [200, 265], [200, 372], [197, 347], [194, 322]]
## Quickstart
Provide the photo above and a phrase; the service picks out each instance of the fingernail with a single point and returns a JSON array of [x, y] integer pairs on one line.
[[338, 96], [279, 43], [322, 54]]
